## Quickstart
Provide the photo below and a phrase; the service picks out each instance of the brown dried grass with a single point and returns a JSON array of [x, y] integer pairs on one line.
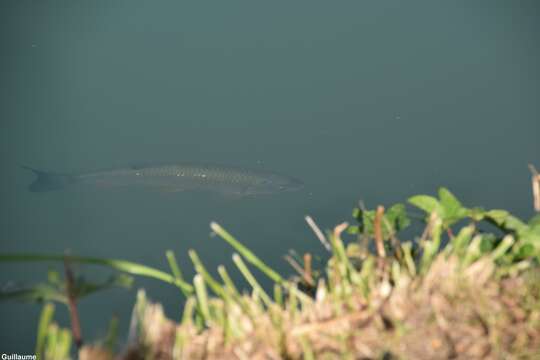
[[448, 313]]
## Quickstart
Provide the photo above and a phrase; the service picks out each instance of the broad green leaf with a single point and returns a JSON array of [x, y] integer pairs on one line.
[[530, 236], [505, 221], [453, 210], [449, 202], [365, 221], [512, 223], [534, 222], [497, 216], [353, 230], [394, 220], [476, 213], [397, 217], [526, 251], [487, 243], [427, 203]]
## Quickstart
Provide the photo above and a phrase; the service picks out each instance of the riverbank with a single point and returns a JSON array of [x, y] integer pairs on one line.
[[468, 286]]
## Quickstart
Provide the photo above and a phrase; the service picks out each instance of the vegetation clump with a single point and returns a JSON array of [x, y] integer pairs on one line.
[[468, 287]]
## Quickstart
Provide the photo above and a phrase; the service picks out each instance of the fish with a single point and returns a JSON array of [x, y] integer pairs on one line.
[[179, 177]]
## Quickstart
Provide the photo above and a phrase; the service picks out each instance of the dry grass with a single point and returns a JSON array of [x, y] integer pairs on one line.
[[450, 312], [472, 295]]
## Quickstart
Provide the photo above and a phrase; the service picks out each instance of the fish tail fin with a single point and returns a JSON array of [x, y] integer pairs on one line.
[[49, 181]]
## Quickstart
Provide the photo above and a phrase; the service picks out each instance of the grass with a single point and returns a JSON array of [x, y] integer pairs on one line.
[[453, 292]]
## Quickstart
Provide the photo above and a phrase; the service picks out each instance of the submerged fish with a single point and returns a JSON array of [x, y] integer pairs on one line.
[[174, 177]]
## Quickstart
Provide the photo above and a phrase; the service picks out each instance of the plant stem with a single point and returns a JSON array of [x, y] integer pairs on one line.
[[72, 304]]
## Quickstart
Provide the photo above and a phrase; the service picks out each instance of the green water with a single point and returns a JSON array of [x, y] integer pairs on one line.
[[361, 100]]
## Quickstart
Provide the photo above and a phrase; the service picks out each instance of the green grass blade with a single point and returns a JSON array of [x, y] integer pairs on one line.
[[503, 247], [343, 262], [202, 297], [44, 320], [473, 251], [199, 267], [177, 273], [112, 335], [251, 279], [246, 253], [460, 242], [50, 350], [278, 294], [173, 264], [408, 258], [37, 293], [307, 350], [189, 310], [137, 315], [120, 265], [229, 284], [431, 246], [64, 344]]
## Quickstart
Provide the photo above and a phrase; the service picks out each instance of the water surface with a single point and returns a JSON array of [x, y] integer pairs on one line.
[[360, 100]]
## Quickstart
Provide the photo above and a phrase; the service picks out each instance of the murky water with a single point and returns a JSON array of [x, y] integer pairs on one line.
[[374, 101]]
